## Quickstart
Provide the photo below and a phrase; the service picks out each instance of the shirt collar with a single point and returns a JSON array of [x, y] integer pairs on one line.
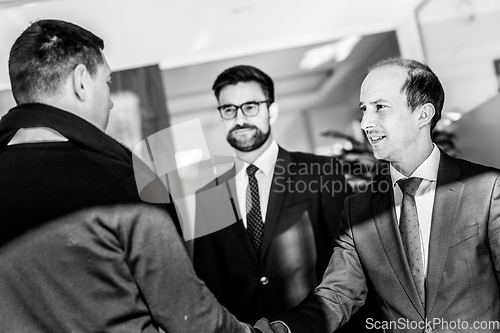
[[427, 170], [265, 162], [36, 134]]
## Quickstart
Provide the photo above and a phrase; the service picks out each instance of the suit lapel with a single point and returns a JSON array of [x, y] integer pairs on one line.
[[238, 228], [388, 231], [444, 214], [241, 232], [276, 196]]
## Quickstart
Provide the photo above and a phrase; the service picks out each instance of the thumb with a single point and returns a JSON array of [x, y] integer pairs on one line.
[[263, 325]]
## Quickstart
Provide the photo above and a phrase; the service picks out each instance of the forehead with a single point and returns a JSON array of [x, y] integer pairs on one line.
[[383, 82], [241, 92]]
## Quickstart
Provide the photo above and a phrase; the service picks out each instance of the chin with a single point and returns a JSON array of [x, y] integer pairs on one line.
[[248, 145], [246, 148], [377, 154], [380, 156]]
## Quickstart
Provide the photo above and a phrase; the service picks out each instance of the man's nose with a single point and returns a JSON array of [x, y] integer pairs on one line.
[[367, 121], [240, 118]]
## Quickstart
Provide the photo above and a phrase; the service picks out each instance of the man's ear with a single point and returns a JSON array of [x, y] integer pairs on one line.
[[273, 112], [80, 77], [427, 112]]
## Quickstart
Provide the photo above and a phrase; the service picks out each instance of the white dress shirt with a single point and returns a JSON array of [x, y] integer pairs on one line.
[[424, 197], [266, 163]]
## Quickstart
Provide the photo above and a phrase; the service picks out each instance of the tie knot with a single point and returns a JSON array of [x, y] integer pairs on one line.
[[409, 185], [251, 170]]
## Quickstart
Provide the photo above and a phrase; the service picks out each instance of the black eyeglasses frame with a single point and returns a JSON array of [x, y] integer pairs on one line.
[[241, 108]]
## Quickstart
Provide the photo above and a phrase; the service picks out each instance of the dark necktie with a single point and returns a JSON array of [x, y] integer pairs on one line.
[[255, 225], [410, 232]]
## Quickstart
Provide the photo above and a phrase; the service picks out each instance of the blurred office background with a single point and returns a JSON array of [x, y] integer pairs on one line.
[[165, 55]]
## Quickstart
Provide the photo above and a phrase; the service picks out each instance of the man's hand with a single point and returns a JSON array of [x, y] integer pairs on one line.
[[275, 327]]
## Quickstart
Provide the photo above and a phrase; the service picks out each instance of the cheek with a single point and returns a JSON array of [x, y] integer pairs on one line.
[[106, 97], [109, 99], [265, 127], [107, 91], [262, 123], [227, 125], [406, 132]]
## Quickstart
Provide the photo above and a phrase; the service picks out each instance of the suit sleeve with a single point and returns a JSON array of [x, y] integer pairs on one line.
[[494, 227], [207, 264], [342, 291], [177, 299]]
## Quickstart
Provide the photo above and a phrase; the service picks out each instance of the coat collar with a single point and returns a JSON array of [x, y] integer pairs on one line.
[[276, 196], [238, 228], [77, 130], [386, 224], [444, 216]]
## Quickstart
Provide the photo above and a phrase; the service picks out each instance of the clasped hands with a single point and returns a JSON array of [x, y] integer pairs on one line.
[[263, 325]]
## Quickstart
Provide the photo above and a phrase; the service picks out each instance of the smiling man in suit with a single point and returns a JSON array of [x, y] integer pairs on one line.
[[425, 239], [290, 205]]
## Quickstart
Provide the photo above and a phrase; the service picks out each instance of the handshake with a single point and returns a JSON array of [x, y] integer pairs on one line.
[[263, 326]]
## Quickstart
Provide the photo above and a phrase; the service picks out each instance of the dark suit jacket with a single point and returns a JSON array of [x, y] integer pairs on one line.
[[463, 265], [300, 228]]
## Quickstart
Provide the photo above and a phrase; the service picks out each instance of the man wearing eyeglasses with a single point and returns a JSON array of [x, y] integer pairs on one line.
[[278, 250]]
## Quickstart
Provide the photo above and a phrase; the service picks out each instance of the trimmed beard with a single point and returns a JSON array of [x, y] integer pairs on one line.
[[251, 144]]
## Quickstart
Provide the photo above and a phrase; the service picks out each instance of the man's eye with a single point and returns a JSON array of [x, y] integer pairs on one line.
[[250, 107], [380, 107], [228, 109], [363, 109]]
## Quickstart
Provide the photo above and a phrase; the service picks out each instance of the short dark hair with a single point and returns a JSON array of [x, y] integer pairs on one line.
[[244, 73], [44, 55], [421, 86]]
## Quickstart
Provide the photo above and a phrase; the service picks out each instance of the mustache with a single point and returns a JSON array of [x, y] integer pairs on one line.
[[245, 126]]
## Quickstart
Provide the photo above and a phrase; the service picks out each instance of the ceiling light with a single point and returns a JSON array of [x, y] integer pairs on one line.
[[337, 51]]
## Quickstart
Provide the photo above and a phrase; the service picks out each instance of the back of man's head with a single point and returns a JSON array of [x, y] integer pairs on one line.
[[45, 54]]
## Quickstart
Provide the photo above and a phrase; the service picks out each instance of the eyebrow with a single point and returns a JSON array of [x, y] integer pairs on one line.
[[375, 102]]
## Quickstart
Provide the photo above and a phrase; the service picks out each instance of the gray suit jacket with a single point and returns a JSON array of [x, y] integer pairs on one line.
[[463, 268]]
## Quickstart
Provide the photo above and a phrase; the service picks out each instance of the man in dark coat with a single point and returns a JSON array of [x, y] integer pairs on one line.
[[79, 251]]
